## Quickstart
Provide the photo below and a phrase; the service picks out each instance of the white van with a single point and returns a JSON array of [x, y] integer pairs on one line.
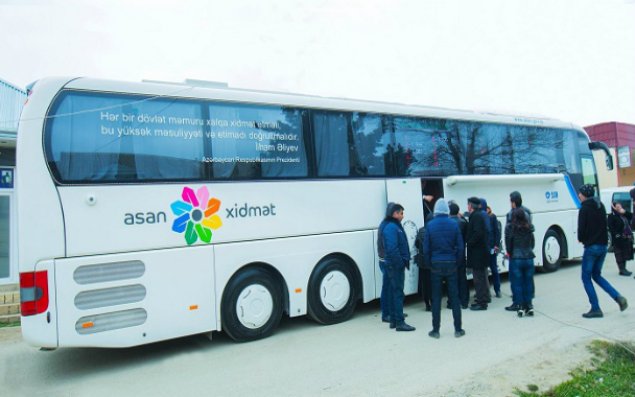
[[618, 194]]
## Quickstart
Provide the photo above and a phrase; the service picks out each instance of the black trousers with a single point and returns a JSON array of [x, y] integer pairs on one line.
[[481, 286], [453, 296]]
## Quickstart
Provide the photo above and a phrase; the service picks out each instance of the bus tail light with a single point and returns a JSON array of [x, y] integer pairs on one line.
[[34, 293]]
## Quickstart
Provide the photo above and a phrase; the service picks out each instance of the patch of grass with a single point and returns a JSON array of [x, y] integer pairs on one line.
[[10, 324], [612, 374]]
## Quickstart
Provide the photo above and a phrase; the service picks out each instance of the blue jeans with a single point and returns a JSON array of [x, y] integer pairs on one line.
[[592, 261], [496, 278], [384, 299], [396, 276], [453, 296], [521, 274]]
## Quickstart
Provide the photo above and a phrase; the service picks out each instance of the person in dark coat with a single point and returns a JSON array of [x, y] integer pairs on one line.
[[494, 246], [443, 248], [384, 299], [516, 201], [461, 275], [592, 234], [520, 242], [396, 258], [619, 222], [478, 253], [425, 286]]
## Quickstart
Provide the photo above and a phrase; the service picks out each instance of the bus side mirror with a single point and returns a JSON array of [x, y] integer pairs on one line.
[[602, 146]]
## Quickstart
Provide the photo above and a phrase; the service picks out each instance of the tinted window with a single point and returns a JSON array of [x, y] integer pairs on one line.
[[250, 142], [370, 154], [115, 138], [120, 138], [92, 138], [331, 143]]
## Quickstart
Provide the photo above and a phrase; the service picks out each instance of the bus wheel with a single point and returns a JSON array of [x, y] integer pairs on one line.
[[551, 251], [332, 292], [252, 305]]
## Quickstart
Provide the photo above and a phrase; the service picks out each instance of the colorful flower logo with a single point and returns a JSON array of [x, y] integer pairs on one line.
[[196, 215]]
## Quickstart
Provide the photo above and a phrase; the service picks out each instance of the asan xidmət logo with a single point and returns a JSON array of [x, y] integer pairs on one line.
[[196, 215]]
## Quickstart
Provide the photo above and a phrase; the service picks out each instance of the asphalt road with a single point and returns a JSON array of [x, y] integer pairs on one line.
[[361, 357]]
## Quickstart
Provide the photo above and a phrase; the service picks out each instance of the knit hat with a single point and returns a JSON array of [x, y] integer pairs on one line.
[[441, 207], [587, 190]]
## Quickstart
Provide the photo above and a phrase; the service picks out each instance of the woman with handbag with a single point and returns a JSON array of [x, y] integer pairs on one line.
[[619, 224]]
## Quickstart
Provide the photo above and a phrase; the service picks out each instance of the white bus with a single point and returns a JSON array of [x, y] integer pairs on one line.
[[154, 211]]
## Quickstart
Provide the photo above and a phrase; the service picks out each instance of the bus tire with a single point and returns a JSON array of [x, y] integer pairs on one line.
[[332, 294], [252, 305], [551, 251]]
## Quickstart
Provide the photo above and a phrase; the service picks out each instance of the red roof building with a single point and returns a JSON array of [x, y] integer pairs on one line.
[[621, 137]]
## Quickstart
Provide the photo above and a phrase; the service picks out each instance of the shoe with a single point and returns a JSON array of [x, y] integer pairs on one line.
[[405, 327], [428, 308], [593, 314], [478, 307], [513, 308], [529, 311], [498, 294], [434, 334], [464, 307], [520, 313], [625, 273], [622, 302], [459, 333], [392, 325]]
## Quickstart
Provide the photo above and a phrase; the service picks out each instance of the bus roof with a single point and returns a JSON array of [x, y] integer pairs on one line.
[[225, 93]]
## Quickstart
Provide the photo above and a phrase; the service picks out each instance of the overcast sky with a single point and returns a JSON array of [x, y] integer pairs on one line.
[[569, 59]]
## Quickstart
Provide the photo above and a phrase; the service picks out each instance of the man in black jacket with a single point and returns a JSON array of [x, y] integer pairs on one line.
[[478, 253], [592, 234], [464, 291]]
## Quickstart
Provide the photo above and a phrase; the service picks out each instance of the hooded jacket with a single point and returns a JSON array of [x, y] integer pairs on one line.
[[592, 228], [443, 244]]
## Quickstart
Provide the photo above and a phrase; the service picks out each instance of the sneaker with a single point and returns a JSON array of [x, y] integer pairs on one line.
[[512, 308], [434, 334], [520, 312], [393, 325], [477, 307], [622, 302], [405, 327], [464, 306], [459, 333], [498, 294], [625, 273], [593, 314], [529, 311]]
